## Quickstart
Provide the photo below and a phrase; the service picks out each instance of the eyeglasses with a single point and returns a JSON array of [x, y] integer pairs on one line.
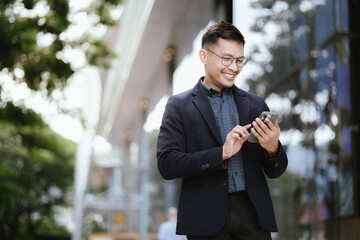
[[228, 60]]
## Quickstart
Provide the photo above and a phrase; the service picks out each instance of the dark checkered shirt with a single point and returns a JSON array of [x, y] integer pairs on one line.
[[227, 117]]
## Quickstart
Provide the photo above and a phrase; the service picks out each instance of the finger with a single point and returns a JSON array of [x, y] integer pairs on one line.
[[255, 133], [247, 126], [246, 133], [257, 127], [242, 127], [262, 125], [234, 135], [269, 123], [242, 130], [245, 136]]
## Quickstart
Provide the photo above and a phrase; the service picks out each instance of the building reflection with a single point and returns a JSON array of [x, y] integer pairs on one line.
[[309, 84]]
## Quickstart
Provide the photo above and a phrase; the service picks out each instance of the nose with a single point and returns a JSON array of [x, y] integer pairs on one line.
[[233, 66]]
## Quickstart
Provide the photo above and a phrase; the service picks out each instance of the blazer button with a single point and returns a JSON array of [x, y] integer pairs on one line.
[[207, 165], [203, 167]]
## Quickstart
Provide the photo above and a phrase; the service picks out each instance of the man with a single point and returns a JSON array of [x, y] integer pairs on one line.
[[167, 230], [203, 140]]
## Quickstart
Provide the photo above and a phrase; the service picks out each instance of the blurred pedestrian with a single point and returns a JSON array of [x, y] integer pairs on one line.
[[167, 230], [203, 140]]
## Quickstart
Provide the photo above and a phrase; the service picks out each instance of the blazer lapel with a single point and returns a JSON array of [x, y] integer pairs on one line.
[[203, 105], [243, 106]]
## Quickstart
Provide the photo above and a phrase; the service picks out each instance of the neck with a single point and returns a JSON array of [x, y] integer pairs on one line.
[[220, 90]]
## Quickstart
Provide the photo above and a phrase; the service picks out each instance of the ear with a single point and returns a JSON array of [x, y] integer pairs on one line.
[[203, 55]]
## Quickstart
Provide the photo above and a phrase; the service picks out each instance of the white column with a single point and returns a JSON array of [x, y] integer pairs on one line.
[[82, 167]]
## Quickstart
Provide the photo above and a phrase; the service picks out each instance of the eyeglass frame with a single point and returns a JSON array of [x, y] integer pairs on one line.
[[243, 60]]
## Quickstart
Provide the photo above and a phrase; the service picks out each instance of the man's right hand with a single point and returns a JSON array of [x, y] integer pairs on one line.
[[234, 140]]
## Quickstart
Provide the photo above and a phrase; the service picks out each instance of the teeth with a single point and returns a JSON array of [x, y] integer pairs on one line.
[[230, 75]]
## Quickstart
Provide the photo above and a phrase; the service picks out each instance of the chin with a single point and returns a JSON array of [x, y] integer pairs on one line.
[[229, 83]]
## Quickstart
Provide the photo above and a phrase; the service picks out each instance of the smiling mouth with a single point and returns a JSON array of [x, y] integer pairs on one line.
[[230, 75]]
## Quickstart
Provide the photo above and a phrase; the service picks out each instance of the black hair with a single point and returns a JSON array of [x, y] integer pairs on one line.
[[222, 30]]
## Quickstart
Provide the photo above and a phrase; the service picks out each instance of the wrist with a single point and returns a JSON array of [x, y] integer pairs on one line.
[[224, 155], [272, 152]]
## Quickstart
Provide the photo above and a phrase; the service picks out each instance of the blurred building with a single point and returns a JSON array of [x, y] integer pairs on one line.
[[312, 79]]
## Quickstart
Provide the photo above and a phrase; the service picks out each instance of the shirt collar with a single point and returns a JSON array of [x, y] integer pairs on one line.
[[213, 93]]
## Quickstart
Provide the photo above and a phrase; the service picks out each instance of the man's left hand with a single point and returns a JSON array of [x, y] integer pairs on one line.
[[267, 135]]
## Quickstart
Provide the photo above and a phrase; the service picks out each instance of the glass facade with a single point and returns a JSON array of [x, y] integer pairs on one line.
[[309, 84]]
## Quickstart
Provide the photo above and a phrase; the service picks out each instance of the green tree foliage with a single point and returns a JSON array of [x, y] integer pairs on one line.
[[25, 23], [19, 48], [36, 164], [36, 170]]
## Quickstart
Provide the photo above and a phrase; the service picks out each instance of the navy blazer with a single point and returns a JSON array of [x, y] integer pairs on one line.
[[189, 146]]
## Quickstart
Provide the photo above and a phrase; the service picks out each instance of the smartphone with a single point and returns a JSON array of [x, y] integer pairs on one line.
[[273, 116]]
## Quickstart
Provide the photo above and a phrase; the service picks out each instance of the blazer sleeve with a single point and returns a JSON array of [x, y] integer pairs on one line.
[[174, 159], [275, 167]]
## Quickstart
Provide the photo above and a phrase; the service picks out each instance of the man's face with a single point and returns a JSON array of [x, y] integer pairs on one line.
[[218, 76]]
